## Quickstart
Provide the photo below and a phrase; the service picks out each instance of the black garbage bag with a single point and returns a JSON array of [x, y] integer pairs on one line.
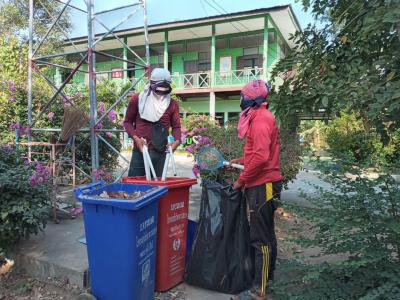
[[221, 256]]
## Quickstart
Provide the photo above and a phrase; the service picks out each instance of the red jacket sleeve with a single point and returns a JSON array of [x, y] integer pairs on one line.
[[130, 116], [260, 152], [176, 123]]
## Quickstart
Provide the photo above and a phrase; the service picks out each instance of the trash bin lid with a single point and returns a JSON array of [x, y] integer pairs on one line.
[[92, 196]]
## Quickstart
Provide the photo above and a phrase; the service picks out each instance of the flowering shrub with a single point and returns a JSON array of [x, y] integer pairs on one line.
[[24, 197], [40, 174], [103, 174], [225, 139], [201, 131], [22, 129]]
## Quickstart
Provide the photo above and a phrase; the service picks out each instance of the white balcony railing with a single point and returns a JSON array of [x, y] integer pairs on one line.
[[203, 79]]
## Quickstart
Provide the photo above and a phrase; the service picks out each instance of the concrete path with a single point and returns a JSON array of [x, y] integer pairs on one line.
[[57, 252]]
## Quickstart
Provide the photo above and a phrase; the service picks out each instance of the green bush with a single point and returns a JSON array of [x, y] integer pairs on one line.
[[24, 198], [358, 218], [347, 136]]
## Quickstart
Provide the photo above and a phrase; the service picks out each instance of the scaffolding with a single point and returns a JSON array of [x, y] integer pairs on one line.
[[86, 56]]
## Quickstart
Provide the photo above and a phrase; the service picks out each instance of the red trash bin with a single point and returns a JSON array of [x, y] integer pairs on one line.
[[173, 209]]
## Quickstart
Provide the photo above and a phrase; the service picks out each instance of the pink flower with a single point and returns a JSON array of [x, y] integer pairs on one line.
[[102, 108], [99, 126], [51, 115], [112, 115], [11, 86], [109, 134], [189, 148], [67, 100], [196, 170]]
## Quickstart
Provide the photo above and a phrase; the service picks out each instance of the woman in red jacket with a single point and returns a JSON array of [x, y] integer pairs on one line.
[[149, 118], [261, 179]]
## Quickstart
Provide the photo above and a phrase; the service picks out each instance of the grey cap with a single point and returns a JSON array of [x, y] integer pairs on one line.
[[159, 74]]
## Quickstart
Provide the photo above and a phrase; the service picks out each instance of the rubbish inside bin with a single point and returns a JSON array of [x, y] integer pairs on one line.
[[124, 195]]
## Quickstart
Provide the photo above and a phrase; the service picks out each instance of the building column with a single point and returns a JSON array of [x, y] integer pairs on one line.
[[166, 50], [57, 77], [125, 56], [212, 105], [265, 47], [212, 55], [226, 117]]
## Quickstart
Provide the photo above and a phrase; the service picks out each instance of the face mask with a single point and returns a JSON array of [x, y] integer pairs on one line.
[[160, 87]]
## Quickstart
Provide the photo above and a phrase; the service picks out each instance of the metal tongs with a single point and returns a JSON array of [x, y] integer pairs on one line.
[[168, 158], [148, 165]]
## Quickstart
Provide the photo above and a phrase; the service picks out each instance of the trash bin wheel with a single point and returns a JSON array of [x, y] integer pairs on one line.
[[86, 296]]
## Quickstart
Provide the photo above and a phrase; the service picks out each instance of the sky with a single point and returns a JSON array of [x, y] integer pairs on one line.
[[161, 11]]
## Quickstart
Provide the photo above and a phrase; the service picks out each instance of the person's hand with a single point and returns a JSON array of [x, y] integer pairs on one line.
[[174, 145], [235, 161], [237, 185], [139, 142]]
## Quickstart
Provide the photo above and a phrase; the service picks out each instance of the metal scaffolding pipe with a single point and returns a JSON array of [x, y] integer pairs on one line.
[[92, 88], [119, 99], [146, 34], [47, 63], [122, 43], [52, 26], [50, 82], [117, 8], [30, 81], [88, 56], [121, 70], [60, 54], [112, 148], [115, 57], [72, 6], [57, 93], [115, 27]]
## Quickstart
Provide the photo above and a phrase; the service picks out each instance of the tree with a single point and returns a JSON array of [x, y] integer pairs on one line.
[[350, 69], [352, 62]]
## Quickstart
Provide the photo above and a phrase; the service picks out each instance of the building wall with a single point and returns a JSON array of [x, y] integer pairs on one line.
[[178, 59]]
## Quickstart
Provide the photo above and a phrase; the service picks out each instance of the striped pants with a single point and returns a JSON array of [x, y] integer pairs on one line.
[[260, 200]]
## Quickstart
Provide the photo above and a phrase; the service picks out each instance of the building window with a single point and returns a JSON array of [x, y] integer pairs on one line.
[[233, 116], [219, 117], [204, 61]]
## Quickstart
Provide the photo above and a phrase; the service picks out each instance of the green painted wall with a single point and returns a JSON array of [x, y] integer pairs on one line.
[[178, 60], [273, 49], [203, 106]]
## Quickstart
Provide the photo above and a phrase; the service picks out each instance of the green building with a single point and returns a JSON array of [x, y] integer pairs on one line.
[[210, 59]]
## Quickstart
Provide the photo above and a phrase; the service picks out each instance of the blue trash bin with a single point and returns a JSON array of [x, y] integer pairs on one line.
[[121, 240]]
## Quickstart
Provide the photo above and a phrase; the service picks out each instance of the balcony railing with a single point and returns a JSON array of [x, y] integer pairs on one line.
[[203, 79], [237, 77], [192, 81]]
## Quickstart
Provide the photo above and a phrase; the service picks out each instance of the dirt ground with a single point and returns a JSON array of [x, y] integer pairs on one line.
[[15, 286]]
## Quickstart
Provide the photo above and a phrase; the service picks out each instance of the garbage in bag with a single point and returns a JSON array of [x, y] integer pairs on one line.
[[221, 256]]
